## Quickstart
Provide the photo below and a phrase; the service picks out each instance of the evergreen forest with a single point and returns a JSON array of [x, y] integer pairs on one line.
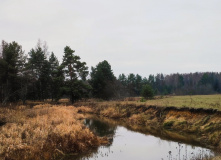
[[38, 75]]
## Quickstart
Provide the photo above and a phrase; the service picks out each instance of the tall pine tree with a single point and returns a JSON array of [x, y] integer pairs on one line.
[[56, 81], [11, 61], [75, 75], [103, 81], [39, 68]]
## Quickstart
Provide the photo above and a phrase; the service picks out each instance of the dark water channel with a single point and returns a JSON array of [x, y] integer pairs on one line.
[[126, 144]]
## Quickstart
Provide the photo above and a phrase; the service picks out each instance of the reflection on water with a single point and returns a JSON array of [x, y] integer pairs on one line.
[[100, 128], [130, 145]]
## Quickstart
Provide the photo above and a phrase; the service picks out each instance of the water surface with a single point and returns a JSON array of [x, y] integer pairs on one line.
[[130, 145]]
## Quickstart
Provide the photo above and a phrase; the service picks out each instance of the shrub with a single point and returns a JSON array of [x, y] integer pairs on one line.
[[147, 92], [142, 100]]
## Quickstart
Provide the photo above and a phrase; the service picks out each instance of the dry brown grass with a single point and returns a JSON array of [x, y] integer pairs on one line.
[[44, 132], [138, 119], [84, 109], [111, 112]]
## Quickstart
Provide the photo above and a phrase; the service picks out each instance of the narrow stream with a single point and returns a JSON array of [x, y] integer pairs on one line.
[[130, 145]]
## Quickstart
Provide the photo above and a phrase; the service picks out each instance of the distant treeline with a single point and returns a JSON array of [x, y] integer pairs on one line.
[[38, 75], [178, 84]]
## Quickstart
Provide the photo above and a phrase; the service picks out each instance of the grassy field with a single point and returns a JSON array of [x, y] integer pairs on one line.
[[196, 101]]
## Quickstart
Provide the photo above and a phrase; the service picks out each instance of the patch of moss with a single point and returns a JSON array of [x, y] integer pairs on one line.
[[181, 122], [168, 124]]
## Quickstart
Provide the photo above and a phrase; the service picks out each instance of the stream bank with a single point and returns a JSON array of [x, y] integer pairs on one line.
[[204, 124], [128, 143]]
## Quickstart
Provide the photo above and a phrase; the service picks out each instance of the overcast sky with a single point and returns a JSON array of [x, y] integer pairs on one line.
[[134, 36]]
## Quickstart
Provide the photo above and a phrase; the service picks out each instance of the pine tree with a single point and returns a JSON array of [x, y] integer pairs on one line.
[[147, 91], [11, 61], [102, 81], [75, 75], [56, 80], [39, 68]]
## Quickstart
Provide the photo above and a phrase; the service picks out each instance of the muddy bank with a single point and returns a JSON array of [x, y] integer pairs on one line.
[[203, 124]]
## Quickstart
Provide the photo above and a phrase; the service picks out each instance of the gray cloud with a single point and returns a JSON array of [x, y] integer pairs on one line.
[[143, 36]]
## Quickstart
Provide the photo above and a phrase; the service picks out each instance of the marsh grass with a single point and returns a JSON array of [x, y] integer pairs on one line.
[[44, 132]]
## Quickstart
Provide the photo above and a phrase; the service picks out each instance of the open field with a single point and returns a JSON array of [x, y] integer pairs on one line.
[[44, 132], [195, 101]]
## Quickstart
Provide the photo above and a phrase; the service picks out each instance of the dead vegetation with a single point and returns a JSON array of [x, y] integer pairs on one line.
[[47, 131], [44, 132]]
